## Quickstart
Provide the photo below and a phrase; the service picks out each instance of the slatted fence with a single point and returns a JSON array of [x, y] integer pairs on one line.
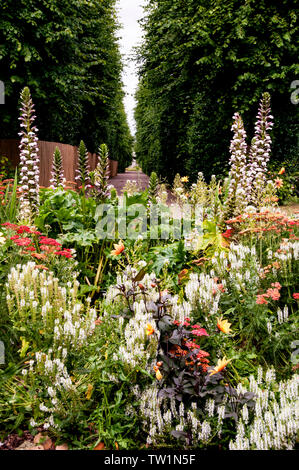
[[10, 149]]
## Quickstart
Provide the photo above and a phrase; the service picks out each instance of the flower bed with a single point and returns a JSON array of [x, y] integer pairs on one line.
[[183, 336]]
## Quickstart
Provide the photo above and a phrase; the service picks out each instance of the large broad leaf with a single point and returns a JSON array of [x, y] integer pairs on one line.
[[173, 256], [212, 239], [140, 198], [81, 237]]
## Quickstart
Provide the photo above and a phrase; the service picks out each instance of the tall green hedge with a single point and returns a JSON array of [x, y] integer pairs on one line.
[[202, 60], [66, 51]]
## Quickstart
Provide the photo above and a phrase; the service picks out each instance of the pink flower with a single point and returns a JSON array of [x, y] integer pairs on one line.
[[23, 242], [200, 332], [296, 295], [30, 248], [221, 287], [66, 253], [273, 293], [261, 299], [49, 241], [192, 345]]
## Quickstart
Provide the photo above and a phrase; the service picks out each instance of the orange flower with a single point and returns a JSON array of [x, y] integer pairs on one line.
[[39, 255], [118, 249], [221, 364], [149, 329], [224, 325], [41, 266], [273, 293], [282, 171], [278, 183], [260, 300], [159, 376]]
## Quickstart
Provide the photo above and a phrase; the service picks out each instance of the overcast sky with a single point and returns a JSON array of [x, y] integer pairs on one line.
[[130, 11]]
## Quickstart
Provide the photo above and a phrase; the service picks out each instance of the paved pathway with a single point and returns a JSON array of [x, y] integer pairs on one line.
[[120, 180], [290, 209]]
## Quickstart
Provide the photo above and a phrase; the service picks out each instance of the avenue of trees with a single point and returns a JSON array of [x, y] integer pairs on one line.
[[202, 61], [66, 52]]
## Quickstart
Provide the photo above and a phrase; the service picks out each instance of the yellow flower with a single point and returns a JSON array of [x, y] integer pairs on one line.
[[185, 179], [224, 325], [221, 364], [118, 248], [149, 329], [89, 391], [281, 171]]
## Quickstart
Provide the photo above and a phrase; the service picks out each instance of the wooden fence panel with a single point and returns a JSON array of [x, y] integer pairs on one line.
[[10, 149]]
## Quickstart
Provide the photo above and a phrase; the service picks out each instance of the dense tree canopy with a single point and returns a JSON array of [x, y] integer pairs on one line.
[[66, 51], [202, 61]]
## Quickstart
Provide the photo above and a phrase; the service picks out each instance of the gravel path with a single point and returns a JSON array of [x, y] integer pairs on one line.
[[120, 180]]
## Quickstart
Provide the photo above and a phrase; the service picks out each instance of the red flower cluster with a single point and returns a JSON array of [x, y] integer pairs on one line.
[[38, 243], [198, 331], [48, 241], [22, 241], [66, 252], [228, 233], [186, 322], [199, 356]]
